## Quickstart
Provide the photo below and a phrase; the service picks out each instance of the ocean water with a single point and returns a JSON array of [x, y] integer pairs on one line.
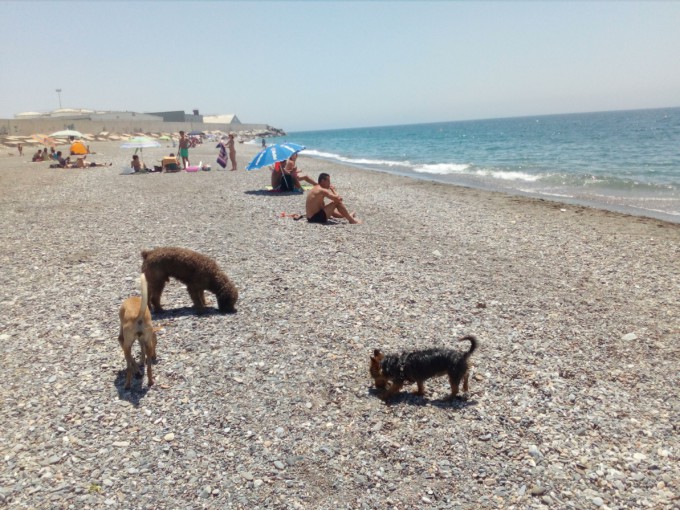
[[627, 161]]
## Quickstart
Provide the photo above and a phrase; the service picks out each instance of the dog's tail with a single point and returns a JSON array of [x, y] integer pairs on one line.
[[473, 344], [145, 299]]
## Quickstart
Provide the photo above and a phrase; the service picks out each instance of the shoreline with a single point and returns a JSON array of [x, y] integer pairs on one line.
[[469, 183], [572, 398]]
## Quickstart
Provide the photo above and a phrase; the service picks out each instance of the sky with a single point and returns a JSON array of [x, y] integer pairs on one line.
[[311, 65]]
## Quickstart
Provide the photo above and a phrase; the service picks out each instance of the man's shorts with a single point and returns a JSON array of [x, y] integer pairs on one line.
[[184, 153], [319, 217]]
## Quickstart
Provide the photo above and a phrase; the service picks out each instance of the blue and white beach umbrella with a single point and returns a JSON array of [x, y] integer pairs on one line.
[[274, 153]]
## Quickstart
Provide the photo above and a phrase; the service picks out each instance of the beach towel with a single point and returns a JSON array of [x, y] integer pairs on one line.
[[222, 158]]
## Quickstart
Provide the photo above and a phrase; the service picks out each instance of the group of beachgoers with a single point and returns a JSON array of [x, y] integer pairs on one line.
[[43, 155], [79, 162], [175, 163], [169, 163], [316, 208], [59, 161]]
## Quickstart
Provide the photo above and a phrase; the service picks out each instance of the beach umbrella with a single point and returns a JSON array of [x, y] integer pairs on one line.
[[78, 148], [274, 153], [67, 133], [140, 143], [44, 140]]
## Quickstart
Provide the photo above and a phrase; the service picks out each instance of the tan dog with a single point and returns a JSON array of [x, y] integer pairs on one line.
[[135, 324]]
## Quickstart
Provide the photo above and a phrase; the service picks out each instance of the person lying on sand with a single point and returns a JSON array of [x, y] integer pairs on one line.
[[80, 163], [317, 209]]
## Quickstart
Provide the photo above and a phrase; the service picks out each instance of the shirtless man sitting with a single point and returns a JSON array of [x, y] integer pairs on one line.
[[137, 164], [317, 209]]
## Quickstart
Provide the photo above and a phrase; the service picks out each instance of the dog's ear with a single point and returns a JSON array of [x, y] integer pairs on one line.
[[377, 355]]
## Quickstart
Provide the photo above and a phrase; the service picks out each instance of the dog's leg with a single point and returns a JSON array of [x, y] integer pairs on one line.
[[155, 291], [421, 388], [149, 373], [131, 365], [454, 382], [465, 381], [196, 294], [392, 390]]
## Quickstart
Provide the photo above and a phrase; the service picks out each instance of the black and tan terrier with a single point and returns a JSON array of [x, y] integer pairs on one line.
[[391, 372]]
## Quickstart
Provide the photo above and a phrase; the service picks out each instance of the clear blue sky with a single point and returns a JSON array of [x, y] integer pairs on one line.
[[317, 65]]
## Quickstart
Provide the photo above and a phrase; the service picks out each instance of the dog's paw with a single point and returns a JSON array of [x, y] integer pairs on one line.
[[458, 398]]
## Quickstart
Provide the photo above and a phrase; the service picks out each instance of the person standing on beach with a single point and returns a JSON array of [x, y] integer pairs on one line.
[[20, 148], [232, 151], [320, 212], [184, 149]]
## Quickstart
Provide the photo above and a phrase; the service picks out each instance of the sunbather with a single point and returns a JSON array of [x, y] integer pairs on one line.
[[137, 165], [170, 163]]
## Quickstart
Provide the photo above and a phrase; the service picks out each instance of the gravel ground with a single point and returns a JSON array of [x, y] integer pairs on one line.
[[573, 401]]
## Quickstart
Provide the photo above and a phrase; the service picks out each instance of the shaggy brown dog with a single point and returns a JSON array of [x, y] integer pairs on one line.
[[198, 272], [135, 324], [392, 371]]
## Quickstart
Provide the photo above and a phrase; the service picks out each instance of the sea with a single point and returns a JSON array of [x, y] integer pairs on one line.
[[626, 161]]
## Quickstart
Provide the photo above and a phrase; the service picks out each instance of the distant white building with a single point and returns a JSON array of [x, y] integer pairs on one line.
[[85, 114], [29, 115], [221, 119]]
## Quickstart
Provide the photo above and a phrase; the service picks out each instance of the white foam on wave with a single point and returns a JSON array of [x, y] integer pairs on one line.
[[312, 152], [356, 161], [509, 175], [462, 168], [433, 169], [442, 168]]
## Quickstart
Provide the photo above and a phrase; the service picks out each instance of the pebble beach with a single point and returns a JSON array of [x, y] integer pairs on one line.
[[574, 395]]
